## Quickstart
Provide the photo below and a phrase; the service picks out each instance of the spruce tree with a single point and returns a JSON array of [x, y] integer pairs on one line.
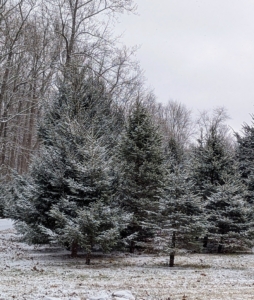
[[142, 173], [245, 158], [67, 195], [230, 217], [182, 220], [87, 215], [210, 163]]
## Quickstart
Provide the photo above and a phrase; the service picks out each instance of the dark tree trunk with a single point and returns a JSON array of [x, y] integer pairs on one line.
[[74, 249], [132, 247], [88, 258], [205, 241], [172, 259], [172, 254], [220, 245]]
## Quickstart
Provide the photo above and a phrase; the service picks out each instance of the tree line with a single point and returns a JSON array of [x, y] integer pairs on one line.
[[106, 180]]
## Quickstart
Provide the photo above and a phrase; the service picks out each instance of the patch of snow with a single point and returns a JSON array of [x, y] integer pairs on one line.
[[123, 295], [6, 224], [100, 296], [50, 298]]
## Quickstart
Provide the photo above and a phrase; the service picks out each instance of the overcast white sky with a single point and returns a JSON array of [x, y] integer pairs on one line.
[[198, 52]]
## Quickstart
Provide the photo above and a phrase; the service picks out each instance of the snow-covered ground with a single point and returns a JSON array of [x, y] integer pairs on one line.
[[28, 272], [5, 224]]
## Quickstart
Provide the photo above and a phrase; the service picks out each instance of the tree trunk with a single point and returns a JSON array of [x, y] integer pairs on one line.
[[88, 258], [205, 241], [172, 253], [74, 249], [220, 245], [172, 259], [4, 143], [132, 247]]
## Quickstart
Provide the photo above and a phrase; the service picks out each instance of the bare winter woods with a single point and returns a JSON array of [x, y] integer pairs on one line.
[[44, 42]]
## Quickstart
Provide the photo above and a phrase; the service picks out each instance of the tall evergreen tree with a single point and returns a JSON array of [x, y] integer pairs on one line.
[[245, 158], [182, 219], [142, 173], [67, 195]]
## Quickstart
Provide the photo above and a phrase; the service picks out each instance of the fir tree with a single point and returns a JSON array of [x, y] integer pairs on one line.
[[229, 216], [142, 173], [87, 216], [210, 163], [245, 158], [82, 106], [182, 219], [67, 195]]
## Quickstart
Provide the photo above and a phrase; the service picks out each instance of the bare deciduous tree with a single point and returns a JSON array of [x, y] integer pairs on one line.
[[176, 123], [43, 42], [214, 122]]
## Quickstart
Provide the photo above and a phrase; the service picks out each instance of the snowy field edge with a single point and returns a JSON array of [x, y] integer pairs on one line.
[[44, 272]]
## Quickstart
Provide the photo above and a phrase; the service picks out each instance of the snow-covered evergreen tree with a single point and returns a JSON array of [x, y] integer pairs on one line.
[[182, 221], [230, 217], [67, 195], [142, 173], [87, 216], [245, 158], [210, 163], [82, 107]]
